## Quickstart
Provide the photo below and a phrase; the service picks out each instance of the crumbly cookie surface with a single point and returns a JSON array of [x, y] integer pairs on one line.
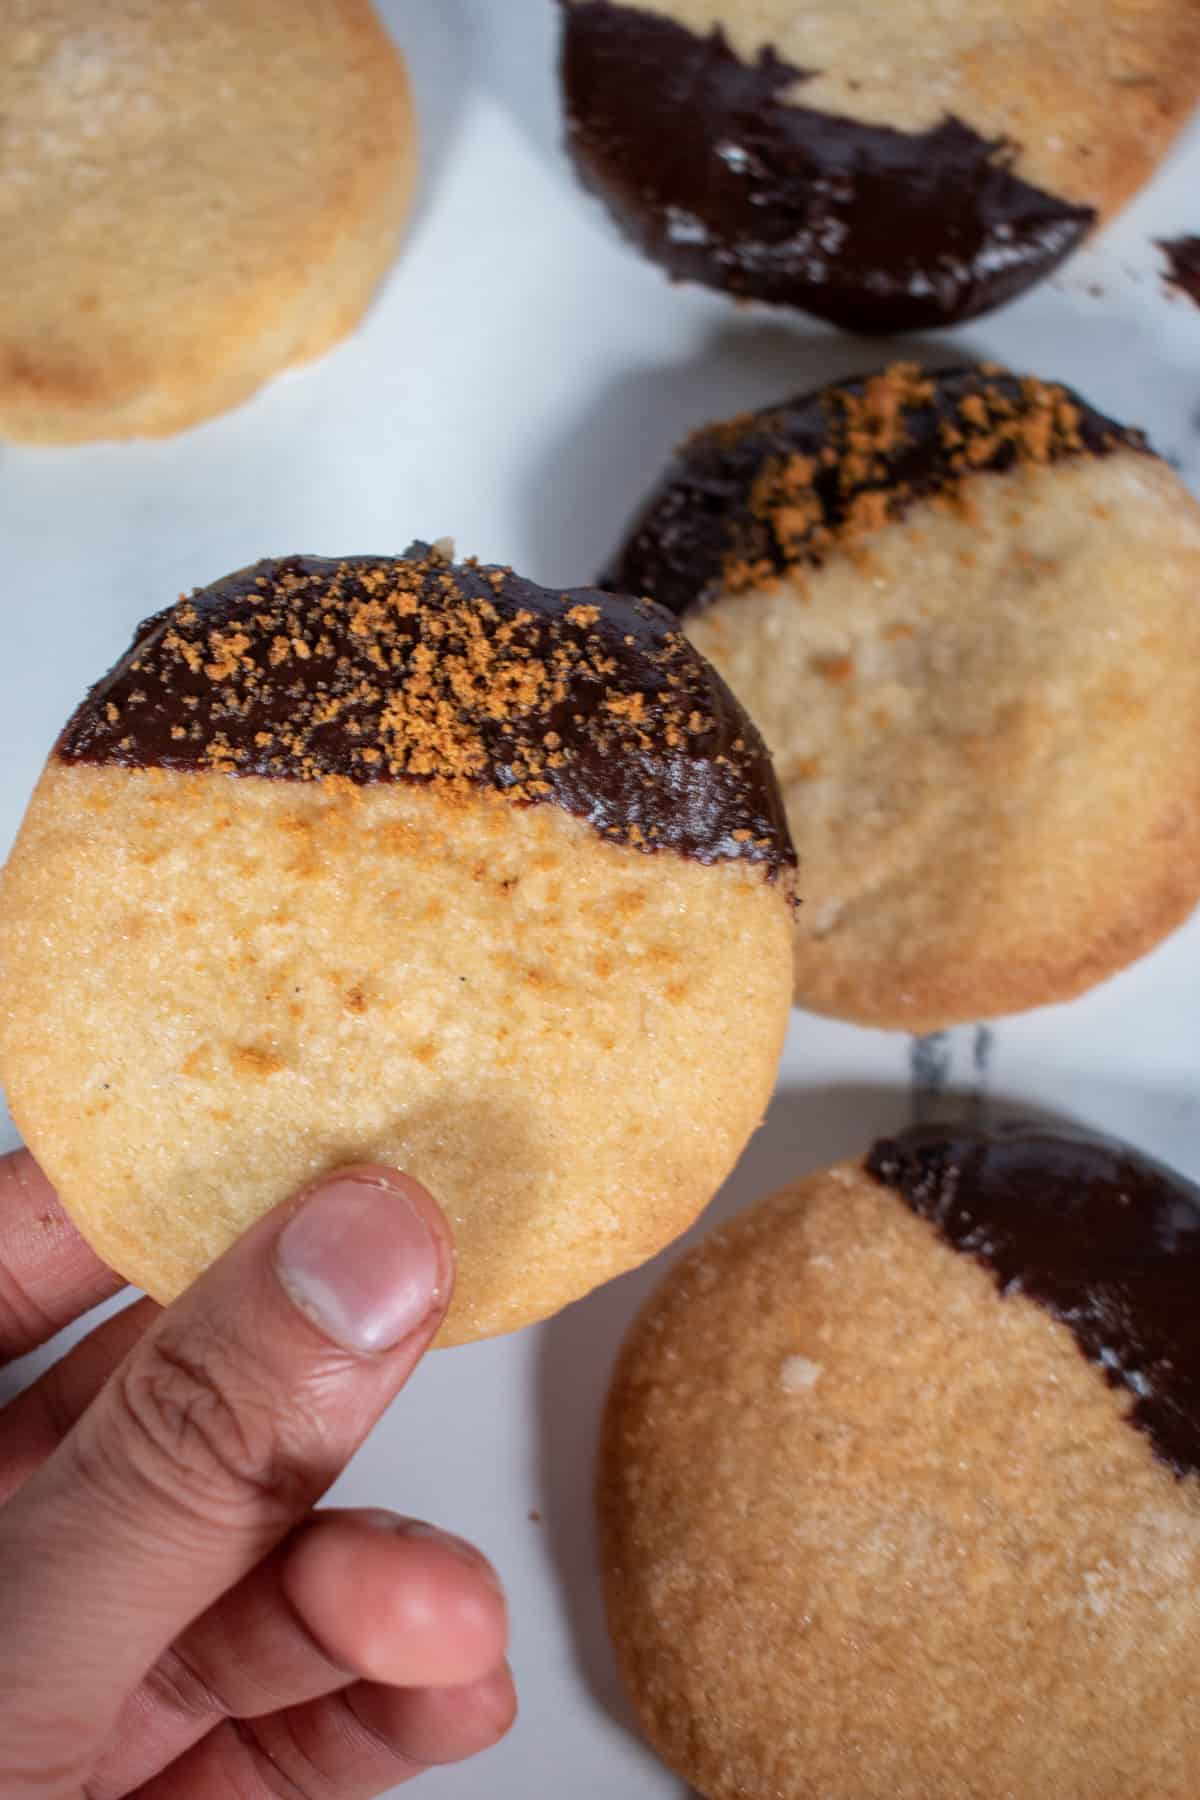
[[228, 181], [872, 1528], [358, 902], [1090, 95], [962, 612]]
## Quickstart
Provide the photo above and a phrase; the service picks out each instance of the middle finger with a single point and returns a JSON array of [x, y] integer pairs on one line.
[[350, 1597]]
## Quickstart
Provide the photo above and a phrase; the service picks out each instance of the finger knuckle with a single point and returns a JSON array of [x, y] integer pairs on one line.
[[300, 1779], [22, 1320], [177, 1687], [194, 1422]]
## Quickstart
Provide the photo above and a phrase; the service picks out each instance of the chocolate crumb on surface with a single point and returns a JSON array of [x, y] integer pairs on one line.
[[750, 499], [712, 171], [1104, 1238], [1183, 265], [378, 669]]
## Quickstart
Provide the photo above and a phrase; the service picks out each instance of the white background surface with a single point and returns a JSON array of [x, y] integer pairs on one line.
[[517, 386]]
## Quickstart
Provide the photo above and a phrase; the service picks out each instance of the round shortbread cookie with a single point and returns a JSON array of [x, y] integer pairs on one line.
[[399, 861], [888, 168], [964, 611], [227, 181], [898, 1486]]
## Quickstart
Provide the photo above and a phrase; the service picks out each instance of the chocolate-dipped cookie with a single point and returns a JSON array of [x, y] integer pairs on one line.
[[964, 610], [193, 196], [899, 1491], [398, 860], [887, 168]]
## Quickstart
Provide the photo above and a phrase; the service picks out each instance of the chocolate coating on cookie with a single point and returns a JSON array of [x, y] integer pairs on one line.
[[713, 173], [1104, 1238], [746, 500], [383, 669]]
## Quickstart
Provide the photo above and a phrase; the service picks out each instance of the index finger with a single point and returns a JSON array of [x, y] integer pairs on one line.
[[48, 1275]]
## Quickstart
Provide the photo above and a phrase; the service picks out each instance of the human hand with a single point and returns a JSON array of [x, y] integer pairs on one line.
[[175, 1621]]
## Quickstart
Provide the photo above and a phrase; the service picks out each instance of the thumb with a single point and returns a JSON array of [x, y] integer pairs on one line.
[[229, 1419]]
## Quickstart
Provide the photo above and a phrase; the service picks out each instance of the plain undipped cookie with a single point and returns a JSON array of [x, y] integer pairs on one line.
[[194, 195], [402, 861], [900, 1483], [963, 611], [886, 167]]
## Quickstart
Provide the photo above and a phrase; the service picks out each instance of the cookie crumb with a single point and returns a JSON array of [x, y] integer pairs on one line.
[[1183, 265]]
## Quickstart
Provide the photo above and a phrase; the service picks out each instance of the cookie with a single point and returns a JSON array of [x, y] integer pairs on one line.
[[962, 610], [898, 1488], [394, 860], [227, 181], [887, 168]]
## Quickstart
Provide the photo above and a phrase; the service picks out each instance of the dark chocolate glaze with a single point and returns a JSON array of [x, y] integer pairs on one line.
[[700, 517], [363, 669], [1183, 257], [721, 180], [1105, 1239]]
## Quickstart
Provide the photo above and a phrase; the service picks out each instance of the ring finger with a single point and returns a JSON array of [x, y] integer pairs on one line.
[[350, 1597], [354, 1745]]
